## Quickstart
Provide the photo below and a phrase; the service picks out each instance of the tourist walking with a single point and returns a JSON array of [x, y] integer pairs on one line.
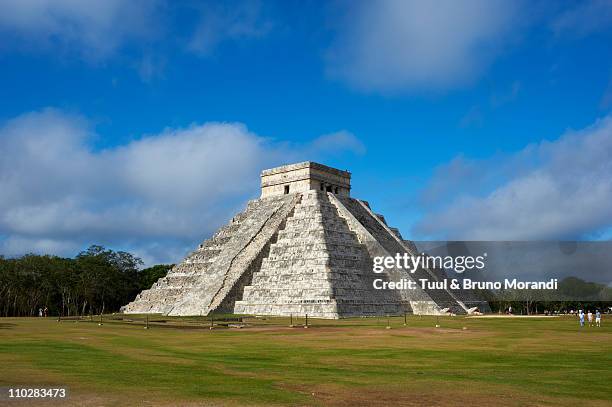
[[590, 318], [581, 316]]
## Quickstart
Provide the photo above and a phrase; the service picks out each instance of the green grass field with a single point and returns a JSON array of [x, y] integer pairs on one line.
[[467, 361]]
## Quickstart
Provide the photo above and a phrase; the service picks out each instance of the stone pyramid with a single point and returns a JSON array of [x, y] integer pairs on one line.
[[304, 247]]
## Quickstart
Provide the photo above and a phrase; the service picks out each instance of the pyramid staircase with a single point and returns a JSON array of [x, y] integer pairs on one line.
[[199, 283], [316, 267]]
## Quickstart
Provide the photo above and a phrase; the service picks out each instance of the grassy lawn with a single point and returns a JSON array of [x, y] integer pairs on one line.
[[474, 361]]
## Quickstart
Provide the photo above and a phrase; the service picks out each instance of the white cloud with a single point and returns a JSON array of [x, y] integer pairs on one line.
[[585, 18], [95, 29], [158, 195], [342, 140], [234, 21], [606, 98], [17, 245], [551, 190], [405, 45], [504, 96]]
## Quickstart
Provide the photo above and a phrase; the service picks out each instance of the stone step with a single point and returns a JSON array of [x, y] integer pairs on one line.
[[197, 265]]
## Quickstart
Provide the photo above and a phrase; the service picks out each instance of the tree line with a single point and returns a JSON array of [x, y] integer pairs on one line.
[[572, 294], [100, 280], [97, 280]]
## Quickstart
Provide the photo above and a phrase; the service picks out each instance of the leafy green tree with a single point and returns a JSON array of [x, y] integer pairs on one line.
[[97, 280], [150, 275]]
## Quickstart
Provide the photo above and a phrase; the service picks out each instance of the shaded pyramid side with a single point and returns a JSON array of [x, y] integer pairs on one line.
[[212, 272], [317, 267], [393, 244], [469, 298], [411, 300]]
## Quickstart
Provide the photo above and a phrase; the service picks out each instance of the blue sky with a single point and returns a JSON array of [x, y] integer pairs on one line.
[[143, 125]]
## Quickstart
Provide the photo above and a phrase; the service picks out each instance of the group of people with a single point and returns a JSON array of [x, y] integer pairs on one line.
[[43, 312], [589, 316]]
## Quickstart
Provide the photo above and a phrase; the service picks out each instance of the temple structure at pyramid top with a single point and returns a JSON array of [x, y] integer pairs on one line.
[[302, 177], [304, 247]]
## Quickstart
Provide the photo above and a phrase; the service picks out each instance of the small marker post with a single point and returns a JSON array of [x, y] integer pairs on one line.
[[405, 323], [147, 323], [388, 323]]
